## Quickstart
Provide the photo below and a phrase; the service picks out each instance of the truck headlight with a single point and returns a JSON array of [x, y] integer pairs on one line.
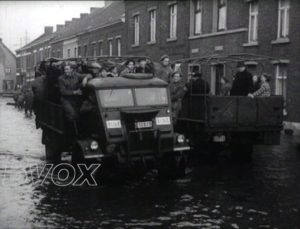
[[94, 145], [180, 139]]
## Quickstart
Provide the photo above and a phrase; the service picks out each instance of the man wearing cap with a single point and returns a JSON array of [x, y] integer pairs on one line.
[[95, 69], [164, 71], [70, 90], [242, 83], [197, 85]]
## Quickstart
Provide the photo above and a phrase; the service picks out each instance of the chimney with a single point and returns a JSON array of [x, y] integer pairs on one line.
[[93, 9], [59, 28], [83, 15], [48, 29], [67, 23]]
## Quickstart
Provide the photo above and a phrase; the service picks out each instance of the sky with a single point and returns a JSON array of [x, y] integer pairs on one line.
[[20, 19]]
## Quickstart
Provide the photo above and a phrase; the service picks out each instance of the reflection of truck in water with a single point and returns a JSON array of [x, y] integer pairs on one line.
[[124, 119], [215, 122]]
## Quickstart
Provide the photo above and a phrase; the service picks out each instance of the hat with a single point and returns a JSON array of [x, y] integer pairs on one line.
[[240, 64], [164, 57], [95, 65]]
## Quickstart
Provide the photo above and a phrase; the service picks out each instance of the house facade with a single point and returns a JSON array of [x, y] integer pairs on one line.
[[7, 69]]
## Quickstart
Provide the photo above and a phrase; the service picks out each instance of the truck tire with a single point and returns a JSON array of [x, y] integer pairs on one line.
[[172, 166], [242, 152], [52, 154], [77, 155]]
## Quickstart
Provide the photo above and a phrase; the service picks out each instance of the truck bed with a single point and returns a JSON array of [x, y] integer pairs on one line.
[[234, 113]]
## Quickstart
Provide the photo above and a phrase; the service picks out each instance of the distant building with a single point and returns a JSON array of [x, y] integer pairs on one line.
[[7, 69], [98, 33], [34, 52]]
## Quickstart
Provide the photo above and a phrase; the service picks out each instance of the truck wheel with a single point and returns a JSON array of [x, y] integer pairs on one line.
[[214, 150], [242, 152], [172, 166], [52, 154], [77, 155]]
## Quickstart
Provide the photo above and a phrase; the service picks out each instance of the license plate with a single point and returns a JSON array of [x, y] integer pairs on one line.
[[163, 121], [141, 125]]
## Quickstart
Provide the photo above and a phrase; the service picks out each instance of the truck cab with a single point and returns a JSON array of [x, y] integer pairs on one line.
[[131, 119]]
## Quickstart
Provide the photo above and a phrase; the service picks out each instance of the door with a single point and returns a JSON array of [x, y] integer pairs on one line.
[[217, 71]]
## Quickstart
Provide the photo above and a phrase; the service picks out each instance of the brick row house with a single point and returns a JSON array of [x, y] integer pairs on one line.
[[32, 53], [95, 34]]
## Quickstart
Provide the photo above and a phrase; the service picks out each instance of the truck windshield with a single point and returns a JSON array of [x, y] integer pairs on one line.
[[116, 98], [151, 96]]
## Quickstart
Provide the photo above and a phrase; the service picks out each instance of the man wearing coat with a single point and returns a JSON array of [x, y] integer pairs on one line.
[[242, 83]]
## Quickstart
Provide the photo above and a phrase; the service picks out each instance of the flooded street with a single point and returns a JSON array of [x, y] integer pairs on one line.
[[222, 194]]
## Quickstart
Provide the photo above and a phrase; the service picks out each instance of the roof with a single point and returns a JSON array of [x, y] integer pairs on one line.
[[41, 39], [6, 48], [100, 18], [121, 82]]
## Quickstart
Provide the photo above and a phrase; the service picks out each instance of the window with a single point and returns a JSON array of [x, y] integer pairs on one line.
[[281, 77], [173, 21], [41, 55], [222, 15], [136, 39], [110, 48], [94, 50], [100, 49], [69, 53], [152, 15], [116, 98], [283, 18], [58, 53], [75, 52], [253, 15], [85, 51], [151, 96], [35, 58], [197, 17], [79, 50], [119, 46]]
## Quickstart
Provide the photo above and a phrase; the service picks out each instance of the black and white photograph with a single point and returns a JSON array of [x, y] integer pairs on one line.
[[150, 114]]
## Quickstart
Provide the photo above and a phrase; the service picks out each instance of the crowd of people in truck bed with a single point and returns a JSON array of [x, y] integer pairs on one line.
[[64, 82]]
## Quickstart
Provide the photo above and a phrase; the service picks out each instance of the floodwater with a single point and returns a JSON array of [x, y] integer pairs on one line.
[[218, 194]]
